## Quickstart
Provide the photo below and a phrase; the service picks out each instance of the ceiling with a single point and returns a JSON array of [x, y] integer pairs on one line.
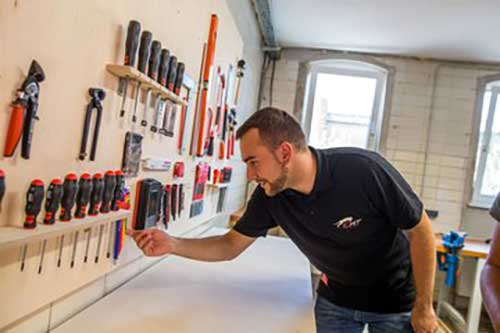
[[446, 29]]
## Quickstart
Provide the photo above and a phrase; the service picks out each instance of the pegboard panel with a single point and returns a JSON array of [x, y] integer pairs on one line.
[[73, 43]]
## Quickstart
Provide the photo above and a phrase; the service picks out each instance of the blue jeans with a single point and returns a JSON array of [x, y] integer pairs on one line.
[[331, 318]]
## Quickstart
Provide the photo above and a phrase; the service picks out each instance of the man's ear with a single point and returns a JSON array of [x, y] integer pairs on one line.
[[286, 151]]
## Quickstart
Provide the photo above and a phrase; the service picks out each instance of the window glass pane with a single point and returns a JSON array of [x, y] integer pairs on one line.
[[482, 128], [491, 179], [342, 110]]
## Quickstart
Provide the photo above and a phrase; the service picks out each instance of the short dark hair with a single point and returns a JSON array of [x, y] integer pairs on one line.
[[275, 126]]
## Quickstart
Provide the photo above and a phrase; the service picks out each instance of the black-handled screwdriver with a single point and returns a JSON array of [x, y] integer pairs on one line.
[[120, 184], [70, 188], [53, 200], [83, 196], [109, 190], [34, 199], [144, 53], [154, 63], [131, 45], [96, 195]]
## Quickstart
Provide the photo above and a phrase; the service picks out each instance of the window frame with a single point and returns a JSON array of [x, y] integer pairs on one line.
[[478, 199], [356, 69]]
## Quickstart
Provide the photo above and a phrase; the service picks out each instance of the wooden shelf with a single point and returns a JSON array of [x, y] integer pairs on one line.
[[10, 236], [146, 82]]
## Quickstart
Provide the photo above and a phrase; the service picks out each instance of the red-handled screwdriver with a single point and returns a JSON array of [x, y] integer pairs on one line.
[[109, 190], [83, 196], [120, 184], [53, 200], [34, 199], [96, 195], [70, 188]]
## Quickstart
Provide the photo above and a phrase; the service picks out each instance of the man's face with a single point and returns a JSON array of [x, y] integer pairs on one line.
[[265, 166]]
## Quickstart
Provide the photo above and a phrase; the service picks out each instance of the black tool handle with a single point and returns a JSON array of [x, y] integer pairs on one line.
[[98, 97], [2, 185], [85, 135], [83, 196], [109, 190], [179, 78], [173, 204], [144, 51], [154, 61], [166, 205], [53, 201], [120, 184], [181, 199], [29, 126], [132, 42], [70, 189], [172, 72], [163, 71], [34, 199], [96, 195]]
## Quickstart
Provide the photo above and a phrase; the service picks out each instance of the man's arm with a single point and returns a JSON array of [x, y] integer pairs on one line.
[[423, 260], [490, 281], [154, 242]]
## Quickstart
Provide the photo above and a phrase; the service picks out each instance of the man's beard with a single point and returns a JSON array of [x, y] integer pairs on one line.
[[279, 184]]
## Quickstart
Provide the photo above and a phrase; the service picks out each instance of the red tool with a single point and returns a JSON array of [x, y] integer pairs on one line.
[[34, 199], [179, 169], [120, 184], [70, 188], [212, 36], [24, 112], [96, 195], [109, 190], [215, 178], [83, 196], [53, 201], [196, 126]]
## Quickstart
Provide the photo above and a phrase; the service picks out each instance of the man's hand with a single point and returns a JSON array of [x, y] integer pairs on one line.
[[423, 319], [152, 242]]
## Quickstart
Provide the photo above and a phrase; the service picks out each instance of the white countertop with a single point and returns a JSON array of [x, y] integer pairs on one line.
[[266, 289]]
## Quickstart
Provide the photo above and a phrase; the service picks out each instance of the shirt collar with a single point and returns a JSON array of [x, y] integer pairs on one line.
[[321, 179]]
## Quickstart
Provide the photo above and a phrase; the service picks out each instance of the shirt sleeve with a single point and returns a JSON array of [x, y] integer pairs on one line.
[[256, 220], [495, 208], [391, 195]]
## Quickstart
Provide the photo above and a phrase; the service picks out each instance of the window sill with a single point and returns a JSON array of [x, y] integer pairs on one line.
[[479, 205]]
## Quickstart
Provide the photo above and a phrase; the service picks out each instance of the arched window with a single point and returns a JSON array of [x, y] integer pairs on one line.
[[344, 103]]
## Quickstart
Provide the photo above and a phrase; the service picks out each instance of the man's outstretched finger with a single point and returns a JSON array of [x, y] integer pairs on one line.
[[144, 239]]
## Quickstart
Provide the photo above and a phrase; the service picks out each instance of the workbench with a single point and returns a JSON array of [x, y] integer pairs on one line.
[[266, 289], [477, 250]]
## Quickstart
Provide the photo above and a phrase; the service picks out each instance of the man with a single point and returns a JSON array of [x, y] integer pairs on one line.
[[345, 210], [490, 278]]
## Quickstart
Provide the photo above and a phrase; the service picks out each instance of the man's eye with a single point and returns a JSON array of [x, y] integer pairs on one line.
[[254, 163]]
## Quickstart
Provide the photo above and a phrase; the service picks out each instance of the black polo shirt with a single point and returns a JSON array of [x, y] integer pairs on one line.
[[350, 227]]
